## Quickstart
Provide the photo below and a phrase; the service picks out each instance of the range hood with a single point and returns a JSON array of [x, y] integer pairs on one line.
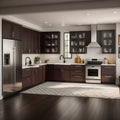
[[94, 43]]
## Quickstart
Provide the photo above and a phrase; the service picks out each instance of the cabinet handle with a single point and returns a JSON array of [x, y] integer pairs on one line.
[[108, 67], [29, 50], [36, 51], [75, 76], [78, 66], [13, 34], [108, 76]]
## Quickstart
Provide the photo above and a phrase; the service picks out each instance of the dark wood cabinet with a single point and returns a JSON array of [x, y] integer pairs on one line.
[[50, 42], [62, 73], [26, 78], [57, 73], [43, 73], [31, 41], [49, 73], [33, 76], [65, 73], [108, 74], [11, 30], [79, 41], [78, 73], [106, 38]]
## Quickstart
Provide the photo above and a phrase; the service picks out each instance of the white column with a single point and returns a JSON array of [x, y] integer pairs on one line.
[[117, 59], [1, 57]]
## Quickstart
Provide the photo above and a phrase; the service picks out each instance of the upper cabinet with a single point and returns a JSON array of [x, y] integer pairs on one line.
[[79, 41], [50, 42], [106, 39], [31, 41], [11, 30]]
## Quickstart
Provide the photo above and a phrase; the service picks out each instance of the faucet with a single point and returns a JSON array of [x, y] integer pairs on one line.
[[29, 62], [63, 58]]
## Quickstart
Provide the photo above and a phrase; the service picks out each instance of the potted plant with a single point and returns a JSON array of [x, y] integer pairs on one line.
[[37, 60]]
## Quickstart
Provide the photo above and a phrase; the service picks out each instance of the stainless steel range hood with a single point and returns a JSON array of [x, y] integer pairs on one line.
[[94, 43]]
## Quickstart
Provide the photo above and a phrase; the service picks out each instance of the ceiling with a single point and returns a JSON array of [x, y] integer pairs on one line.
[[72, 18], [7, 3]]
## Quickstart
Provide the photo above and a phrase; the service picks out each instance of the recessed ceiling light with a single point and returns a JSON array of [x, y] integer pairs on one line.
[[46, 22], [115, 12], [62, 24]]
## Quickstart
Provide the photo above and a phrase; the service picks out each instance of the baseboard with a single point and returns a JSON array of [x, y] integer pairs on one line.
[[1, 97]]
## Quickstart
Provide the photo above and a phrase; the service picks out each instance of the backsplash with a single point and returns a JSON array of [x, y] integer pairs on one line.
[[32, 56]]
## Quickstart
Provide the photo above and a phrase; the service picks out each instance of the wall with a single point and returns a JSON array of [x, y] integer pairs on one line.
[[32, 56], [91, 52], [117, 59]]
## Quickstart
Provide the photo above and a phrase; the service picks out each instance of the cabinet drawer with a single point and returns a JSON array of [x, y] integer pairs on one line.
[[77, 78], [108, 70], [26, 72], [77, 67], [78, 72], [108, 79]]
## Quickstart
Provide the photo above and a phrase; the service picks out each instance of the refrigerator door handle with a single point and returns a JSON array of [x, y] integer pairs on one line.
[[14, 64]]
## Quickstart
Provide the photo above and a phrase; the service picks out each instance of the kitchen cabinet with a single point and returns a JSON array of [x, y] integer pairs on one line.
[[108, 74], [43, 73], [36, 79], [33, 76], [50, 42], [106, 38], [49, 72], [26, 78], [78, 73], [11, 30], [62, 73], [57, 73], [65, 73], [31, 41], [79, 41]]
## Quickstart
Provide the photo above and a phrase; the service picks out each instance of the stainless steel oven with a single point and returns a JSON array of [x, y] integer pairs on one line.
[[93, 72]]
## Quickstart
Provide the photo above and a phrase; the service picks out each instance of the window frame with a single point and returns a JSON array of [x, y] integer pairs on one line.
[[64, 46]]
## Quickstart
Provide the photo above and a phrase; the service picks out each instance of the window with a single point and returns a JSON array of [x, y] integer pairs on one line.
[[66, 49]]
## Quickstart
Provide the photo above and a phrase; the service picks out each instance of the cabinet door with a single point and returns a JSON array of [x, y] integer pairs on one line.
[[25, 40], [57, 75], [26, 82], [35, 76], [43, 73], [6, 29], [26, 78], [16, 31], [49, 73], [108, 79], [40, 74], [65, 76]]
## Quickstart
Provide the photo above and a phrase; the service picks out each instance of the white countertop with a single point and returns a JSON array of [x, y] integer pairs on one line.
[[38, 65], [108, 64], [33, 66]]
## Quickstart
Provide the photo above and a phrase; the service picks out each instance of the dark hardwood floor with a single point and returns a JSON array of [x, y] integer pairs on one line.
[[43, 107]]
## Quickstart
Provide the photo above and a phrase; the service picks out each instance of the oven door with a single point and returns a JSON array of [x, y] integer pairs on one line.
[[93, 72]]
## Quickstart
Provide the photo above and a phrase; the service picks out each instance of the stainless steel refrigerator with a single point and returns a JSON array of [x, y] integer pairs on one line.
[[12, 66]]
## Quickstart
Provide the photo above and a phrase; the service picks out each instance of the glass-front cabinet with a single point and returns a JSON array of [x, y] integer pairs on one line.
[[79, 41], [50, 42], [107, 40]]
